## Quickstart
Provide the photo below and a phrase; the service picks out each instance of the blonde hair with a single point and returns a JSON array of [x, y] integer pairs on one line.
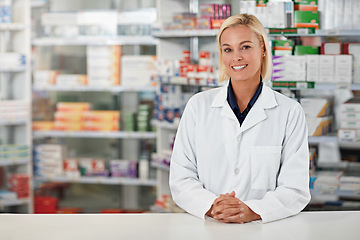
[[255, 25]]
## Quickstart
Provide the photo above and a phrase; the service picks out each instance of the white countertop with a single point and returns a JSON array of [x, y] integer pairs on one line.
[[306, 226]]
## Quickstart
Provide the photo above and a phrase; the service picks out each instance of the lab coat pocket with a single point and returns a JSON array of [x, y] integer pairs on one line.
[[265, 164]]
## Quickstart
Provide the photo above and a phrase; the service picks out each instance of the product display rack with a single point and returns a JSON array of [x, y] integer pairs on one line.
[[127, 141], [102, 180], [95, 41], [15, 85], [94, 134]]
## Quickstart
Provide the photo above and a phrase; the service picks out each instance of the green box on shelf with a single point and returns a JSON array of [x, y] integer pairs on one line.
[[304, 31], [290, 84], [304, 50], [304, 19]]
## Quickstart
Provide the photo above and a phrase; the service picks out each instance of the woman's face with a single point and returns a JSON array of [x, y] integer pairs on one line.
[[241, 53]]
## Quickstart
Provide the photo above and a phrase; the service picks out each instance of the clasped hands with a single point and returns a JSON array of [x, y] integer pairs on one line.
[[229, 209]]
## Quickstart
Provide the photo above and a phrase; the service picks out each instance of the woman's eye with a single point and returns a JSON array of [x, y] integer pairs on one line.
[[245, 47], [227, 50]]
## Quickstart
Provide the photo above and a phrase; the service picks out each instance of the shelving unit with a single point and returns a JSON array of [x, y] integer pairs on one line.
[[125, 145], [15, 85]]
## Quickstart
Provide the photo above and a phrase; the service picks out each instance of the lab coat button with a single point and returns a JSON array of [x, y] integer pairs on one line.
[[236, 170]]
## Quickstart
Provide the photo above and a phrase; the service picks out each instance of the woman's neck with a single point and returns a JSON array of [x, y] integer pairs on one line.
[[244, 91]]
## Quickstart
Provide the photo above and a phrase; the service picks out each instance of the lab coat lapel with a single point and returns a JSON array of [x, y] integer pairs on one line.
[[220, 101], [257, 113]]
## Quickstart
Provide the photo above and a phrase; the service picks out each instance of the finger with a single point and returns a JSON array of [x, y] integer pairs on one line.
[[236, 218], [225, 204], [226, 201], [232, 194], [227, 209], [226, 198], [228, 212]]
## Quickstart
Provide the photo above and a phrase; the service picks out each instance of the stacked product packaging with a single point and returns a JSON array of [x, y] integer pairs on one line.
[[336, 63], [77, 116], [210, 16], [14, 152], [14, 110], [184, 72], [5, 11], [319, 114], [105, 68], [19, 184], [98, 23], [299, 15], [103, 65], [50, 160], [12, 60], [349, 130], [329, 181]]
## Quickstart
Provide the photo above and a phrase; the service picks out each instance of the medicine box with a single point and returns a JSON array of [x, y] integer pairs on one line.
[[352, 105], [280, 14], [137, 70], [306, 5], [354, 50], [331, 48], [305, 19], [326, 68], [318, 126], [312, 68], [317, 107], [300, 50], [343, 68]]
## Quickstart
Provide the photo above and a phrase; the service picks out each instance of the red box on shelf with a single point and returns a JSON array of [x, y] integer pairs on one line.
[[45, 204]]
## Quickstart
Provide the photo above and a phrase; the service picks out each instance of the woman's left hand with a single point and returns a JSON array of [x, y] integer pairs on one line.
[[229, 209]]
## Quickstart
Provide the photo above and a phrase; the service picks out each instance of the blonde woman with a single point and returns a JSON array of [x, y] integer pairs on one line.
[[241, 151]]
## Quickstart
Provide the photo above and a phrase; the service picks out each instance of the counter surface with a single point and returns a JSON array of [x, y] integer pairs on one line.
[[306, 225]]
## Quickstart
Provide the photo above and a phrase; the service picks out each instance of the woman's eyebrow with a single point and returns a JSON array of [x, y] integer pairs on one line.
[[247, 41]]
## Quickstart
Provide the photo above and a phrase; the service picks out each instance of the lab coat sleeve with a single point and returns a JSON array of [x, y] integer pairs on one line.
[[186, 188], [292, 193]]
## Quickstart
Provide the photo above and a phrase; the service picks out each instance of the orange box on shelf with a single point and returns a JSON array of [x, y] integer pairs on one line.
[[102, 116], [102, 126], [70, 116], [69, 126], [43, 125], [73, 106]]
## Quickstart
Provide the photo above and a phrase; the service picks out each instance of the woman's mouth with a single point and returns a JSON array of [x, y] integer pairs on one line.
[[239, 67]]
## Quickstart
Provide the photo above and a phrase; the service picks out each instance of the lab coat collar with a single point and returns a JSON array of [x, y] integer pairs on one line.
[[257, 113]]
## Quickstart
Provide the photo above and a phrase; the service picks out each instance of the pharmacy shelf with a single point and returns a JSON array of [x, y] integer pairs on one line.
[[165, 124], [14, 202], [84, 134], [101, 180], [10, 162], [321, 33], [13, 69], [160, 166], [336, 192], [12, 26], [93, 89], [6, 122], [185, 33], [95, 41], [322, 139]]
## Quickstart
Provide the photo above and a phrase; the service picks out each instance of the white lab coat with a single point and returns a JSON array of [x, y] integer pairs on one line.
[[265, 161]]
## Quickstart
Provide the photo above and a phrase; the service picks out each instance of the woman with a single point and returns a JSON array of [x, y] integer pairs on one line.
[[241, 151]]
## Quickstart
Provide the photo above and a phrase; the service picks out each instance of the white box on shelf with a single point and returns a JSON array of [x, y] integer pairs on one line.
[[326, 68], [343, 68], [348, 135], [317, 107], [280, 14], [312, 68], [137, 70]]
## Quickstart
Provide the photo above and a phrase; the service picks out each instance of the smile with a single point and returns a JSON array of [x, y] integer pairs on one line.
[[239, 67]]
